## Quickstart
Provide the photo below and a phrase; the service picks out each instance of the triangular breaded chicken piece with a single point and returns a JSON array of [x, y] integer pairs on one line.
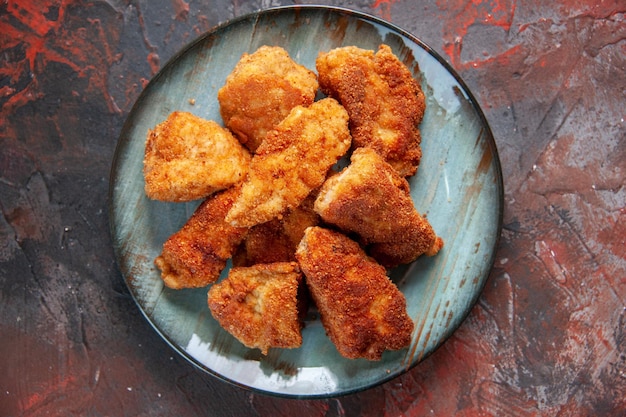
[[371, 199], [261, 91], [293, 160], [258, 305], [362, 310], [385, 103], [195, 255], [188, 158]]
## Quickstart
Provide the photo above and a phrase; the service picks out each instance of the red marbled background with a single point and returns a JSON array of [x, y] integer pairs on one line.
[[547, 336]]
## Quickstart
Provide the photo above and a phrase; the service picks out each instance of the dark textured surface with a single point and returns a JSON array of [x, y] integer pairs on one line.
[[548, 334]]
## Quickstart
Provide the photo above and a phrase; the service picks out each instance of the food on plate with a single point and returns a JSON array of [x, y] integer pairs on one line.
[[294, 228], [261, 91], [293, 160], [258, 305], [362, 310], [189, 158], [384, 101], [371, 199], [195, 255], [276, 240]]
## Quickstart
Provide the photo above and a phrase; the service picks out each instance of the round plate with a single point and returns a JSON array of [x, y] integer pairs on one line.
[[458, 186]]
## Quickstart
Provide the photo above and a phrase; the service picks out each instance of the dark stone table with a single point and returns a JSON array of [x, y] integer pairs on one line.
[[548, 334]]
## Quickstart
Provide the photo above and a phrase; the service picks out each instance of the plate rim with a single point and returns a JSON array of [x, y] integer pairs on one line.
[[255, 15]]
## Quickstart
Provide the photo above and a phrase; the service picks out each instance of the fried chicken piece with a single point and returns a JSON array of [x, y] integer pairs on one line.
[[195, 255], [362, 310], [292, 161], [261, 91], [276, 240], [370, 198], [188, 158], [258, 305], [384, 101]]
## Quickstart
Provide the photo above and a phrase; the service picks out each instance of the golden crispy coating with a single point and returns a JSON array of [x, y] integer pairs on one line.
[[370, 199], [362, 311], [292, 161], [189, 158], [276, 240], [258, 305], [195, 256], [383, 100], [261, 91]]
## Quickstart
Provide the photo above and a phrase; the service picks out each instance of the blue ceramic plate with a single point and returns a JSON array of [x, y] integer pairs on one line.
[[458, 186]]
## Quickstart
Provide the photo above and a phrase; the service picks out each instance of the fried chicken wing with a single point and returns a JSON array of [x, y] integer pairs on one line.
[[292, 161], [258, 305], [195, 255], [188, 158], [261, 91], [370, 198], [363, 312], [384, 101]]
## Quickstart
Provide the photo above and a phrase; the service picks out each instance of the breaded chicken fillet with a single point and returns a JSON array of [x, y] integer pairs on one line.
[[261, 91], [258, 305], [292, 161], [369, 198], [188, 158], [195, 255], [384, 101], [363, 312]]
